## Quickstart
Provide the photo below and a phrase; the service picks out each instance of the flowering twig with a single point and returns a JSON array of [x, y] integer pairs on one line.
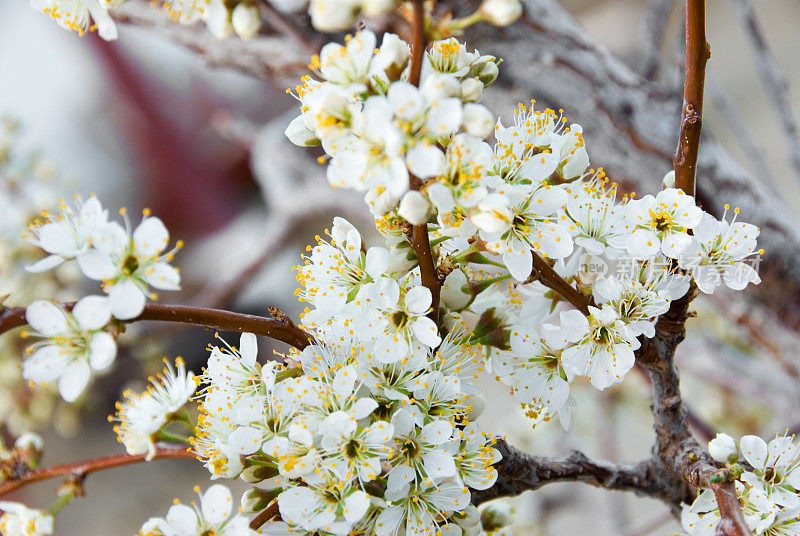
[[83, 468], [280, 328], [697, 54], [420, 241]]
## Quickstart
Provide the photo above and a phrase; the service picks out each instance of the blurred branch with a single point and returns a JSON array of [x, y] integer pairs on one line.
[[80, 469], [773, 79], [741, 131], [652, 30], [269, 57]]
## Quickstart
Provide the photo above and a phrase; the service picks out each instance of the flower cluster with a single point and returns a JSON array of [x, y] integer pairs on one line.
[[211, 516], [768, 486], [223, 19], [345, 438], [127, 262], [19, 520], [497, 214], [28, 184], [141, 417]]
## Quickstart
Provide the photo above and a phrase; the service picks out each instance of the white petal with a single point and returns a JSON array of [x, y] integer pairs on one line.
[[45, 365], [74, 379], [102, 350], [163, 276], [426, 332], [182, 520], [425, 161], [127, 300], [519, 264], [150, 237], [754, 449], [92, 312], [377, 261], [45, 264], [245, 440], [355, 506], [46, 318], [96, 265], [248, 348], [216, 504], [418, 300]]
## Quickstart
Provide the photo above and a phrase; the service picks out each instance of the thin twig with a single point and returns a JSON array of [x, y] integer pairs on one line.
[[697, 54], [773, 79], [83, 468], [281, 329]]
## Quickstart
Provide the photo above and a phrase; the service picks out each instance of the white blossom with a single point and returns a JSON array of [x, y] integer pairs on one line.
[[75, 343]]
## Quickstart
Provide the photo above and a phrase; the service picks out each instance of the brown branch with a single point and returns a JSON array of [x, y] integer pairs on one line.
[[265, 515], [697, 54], [420, 241], [519, 472], [545, 274], [83, 468], [773, 79], [280, 328], [419, 40]]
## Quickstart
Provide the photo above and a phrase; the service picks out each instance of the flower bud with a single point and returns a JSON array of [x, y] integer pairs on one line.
[[471, 90], [453, 295], [333, 15], [669, 180], [501, 12], [488, 73], [258, 473], [372, 8], [246, 20], [218, 20], [29, 441], [477, 120], [414, 207], [497, 515], [255, 499], [723, 448]]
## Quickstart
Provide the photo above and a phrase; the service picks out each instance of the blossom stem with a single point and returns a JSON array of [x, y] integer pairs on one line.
[[419, 40], [545, 274], [82, 468], [281, 329], [268, 513], [697, 54]]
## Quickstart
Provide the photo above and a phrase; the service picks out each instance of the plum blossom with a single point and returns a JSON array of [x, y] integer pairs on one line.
[[74, 344], [129, 263]]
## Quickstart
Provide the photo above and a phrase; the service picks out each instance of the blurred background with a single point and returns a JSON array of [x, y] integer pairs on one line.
[[143, 122]]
